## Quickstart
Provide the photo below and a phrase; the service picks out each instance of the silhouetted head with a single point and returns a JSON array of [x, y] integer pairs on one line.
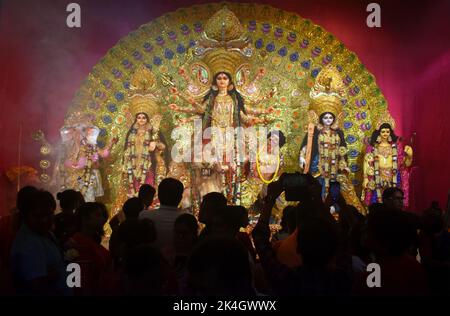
[[92, 217], [70, 200], [147, 194], [170, 192], [24, 198], [185, 232], [211, 203], [393, 198], [132, 207], [228, 220], [39, 214]]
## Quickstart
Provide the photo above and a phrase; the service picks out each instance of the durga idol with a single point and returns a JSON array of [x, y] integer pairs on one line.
[[214, 98]]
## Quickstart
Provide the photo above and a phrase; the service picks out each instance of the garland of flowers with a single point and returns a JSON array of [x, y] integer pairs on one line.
[[376, 165], [328, 147], [134, 172], [260, 173], [87, 175]]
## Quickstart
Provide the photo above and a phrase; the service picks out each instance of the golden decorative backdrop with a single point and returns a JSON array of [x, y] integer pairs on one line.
[[289, 49]]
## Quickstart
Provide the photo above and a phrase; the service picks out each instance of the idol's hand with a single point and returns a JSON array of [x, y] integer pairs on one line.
[[302, 162], [408, 151], [152, 146]]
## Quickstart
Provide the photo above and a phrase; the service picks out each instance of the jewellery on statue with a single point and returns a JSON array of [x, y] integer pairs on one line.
[[379, 183], [274, 174], [140, 172], [88, 168]]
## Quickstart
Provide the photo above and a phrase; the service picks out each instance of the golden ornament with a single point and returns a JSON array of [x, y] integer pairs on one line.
[[44, 178], [44, 164], [45, 149]]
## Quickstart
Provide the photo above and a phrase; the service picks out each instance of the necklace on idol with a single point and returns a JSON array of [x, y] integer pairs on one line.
[[260, 173]]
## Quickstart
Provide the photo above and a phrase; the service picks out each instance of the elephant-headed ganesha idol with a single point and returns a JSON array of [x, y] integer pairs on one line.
[[79, 162]]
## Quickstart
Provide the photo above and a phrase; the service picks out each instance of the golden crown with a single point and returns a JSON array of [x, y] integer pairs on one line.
[[324, 104], [385, 118], [143, 104], [327, 92], [221, 60], [142, 94], [223, 45]]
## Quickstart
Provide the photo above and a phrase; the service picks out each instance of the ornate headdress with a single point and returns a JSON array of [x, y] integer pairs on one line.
[[385, 118], [224, 44], [142, 94], [327, 92]]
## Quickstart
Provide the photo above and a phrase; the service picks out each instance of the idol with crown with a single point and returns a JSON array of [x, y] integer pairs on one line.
[[324, 150], [143, 157], [220, 102], [230, 66], [80, 158], [387, 162]]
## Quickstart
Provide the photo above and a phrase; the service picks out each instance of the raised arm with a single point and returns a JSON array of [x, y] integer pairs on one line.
[[250, 120], [191, 110], [197, 107], [105, 152], [251, 110], [408, 156]]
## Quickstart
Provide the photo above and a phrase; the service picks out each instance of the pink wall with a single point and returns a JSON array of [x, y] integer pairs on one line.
[[43, 63]]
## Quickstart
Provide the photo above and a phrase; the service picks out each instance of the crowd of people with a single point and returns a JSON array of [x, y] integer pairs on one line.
[[166, 250]]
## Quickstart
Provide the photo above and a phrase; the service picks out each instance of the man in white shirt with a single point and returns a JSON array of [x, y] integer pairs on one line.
[[170, 192]]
